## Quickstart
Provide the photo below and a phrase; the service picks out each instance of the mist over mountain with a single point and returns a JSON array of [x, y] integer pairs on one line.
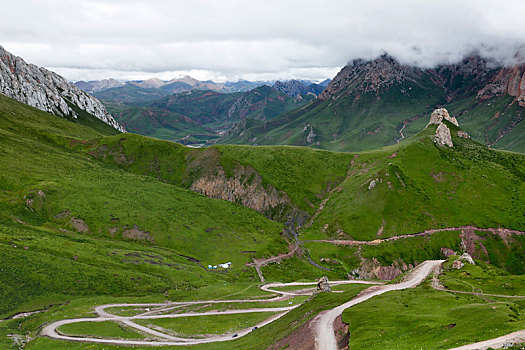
[[379, 102]]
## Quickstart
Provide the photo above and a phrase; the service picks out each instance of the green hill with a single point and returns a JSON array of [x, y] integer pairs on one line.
[[65, 206], [88, 217]]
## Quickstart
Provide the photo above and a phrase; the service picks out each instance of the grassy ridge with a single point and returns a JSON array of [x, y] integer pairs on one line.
[[419, 185], [287, 169], [412, 320], [45, 192], [424, 317]]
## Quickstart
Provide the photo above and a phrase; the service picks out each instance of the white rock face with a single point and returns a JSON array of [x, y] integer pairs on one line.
[[439, 114], [468, 258], [443, 136], [46, 90]]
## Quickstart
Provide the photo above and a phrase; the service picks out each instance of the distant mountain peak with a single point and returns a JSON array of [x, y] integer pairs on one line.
[[294, 88], [361, 76], [46, 90], [94, 86]]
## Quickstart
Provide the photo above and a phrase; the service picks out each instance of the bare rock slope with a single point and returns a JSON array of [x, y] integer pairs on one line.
[[46, 90]]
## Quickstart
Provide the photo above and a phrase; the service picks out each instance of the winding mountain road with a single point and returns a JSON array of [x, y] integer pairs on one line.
[[323, 323], [51, 331]]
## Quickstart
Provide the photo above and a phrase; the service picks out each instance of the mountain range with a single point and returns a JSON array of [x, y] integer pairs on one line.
[[199, 116], [183, 84], [380, 102]]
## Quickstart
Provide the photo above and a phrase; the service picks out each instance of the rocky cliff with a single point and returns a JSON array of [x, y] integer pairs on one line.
[[370, 76], [509, 80], [242, 185], [46, 90]]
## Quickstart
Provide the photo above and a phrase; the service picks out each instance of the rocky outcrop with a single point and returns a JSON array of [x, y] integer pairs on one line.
[[46, 90], [245, 187], [442, 136], [509, 80], [459, 263], [323, 285], [375, 76], [79, 225], [466, 257], [308, 130], [438, 115], [136, 234]]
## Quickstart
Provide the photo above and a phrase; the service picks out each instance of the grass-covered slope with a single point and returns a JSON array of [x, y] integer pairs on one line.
[[304, 175], [418, 185], [159, 123], [56, 203], [353, 123], [431, 319]]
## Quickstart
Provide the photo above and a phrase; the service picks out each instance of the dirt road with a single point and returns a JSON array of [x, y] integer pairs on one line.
[[159, 310], [324, 322], [496, 343], [501, 231], [51, 329]]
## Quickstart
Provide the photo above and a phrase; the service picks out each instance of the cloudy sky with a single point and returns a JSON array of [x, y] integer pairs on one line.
[[252, 39]]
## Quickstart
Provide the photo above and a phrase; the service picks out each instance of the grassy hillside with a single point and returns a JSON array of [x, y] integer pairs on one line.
[[87, 217], [58, 202], [160, 123], [432, 319], [353, 123], [287, 169], [419, 185]]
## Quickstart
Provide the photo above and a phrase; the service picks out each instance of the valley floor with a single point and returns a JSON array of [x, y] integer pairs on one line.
[[152, 324]]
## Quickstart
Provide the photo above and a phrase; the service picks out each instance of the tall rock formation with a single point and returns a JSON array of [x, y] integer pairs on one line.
[[46, 90], [443, 136]]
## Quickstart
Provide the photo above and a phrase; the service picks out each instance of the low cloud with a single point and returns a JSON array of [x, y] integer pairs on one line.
[[232, 39]]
